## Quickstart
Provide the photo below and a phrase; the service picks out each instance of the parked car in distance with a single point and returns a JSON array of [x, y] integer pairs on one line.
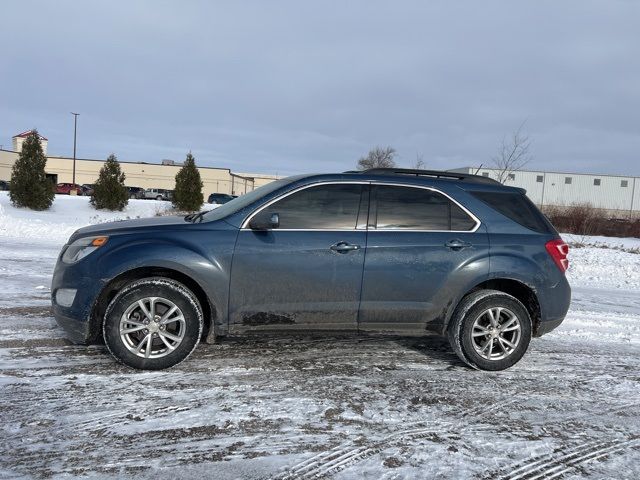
[[220, 198], [384, 251], [87, 189], [136, 192], [158, 194], [67, 188], [4, 185]]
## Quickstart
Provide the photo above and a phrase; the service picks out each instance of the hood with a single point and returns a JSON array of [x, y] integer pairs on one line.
[[127, 226]]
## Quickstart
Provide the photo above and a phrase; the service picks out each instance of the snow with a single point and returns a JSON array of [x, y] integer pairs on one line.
[[67, 214], [604, 268], [616, 243], [308, 407]]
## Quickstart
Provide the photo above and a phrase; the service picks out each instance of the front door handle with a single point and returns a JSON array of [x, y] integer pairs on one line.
[[457, 244], [344, 247]]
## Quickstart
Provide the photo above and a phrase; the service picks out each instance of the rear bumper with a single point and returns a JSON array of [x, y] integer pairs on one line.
[[554, 305], [546, 327]]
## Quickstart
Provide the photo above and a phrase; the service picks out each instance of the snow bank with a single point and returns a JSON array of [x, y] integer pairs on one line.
[[66, 215], [626, 244], [603, 262], [604, 268]]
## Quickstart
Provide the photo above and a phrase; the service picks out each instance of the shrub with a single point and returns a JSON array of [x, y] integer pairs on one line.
[[187, 195], [30, 186], [584, 219], [109, 192]]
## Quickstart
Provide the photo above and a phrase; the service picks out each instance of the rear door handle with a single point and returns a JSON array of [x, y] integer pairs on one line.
[[457, 244], [344, 247]]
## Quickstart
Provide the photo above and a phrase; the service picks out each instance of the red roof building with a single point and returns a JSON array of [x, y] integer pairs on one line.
[[26, 133], [21, 137]]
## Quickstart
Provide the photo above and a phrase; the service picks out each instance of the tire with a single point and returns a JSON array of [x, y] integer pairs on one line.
[[132, 196], [139, 342], [474, 336], [159, 197]]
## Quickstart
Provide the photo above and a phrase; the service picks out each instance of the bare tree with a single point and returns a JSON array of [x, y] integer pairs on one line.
[[513, 155], [378, 157], [419, 164]]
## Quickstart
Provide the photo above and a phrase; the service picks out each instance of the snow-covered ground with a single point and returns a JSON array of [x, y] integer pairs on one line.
[[303, 407], [66, 215]]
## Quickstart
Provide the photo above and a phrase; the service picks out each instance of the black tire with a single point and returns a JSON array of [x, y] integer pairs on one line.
[[163, 288], [132, 196], [159, 197], [461, 328]]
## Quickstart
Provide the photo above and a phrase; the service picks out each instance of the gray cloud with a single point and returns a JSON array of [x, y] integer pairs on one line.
[[291, 87]]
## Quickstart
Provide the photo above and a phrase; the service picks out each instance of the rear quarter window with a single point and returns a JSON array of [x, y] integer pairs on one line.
[[517, 207]]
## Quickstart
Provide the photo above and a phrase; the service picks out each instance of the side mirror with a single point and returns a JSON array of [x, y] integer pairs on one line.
[[265, 221]]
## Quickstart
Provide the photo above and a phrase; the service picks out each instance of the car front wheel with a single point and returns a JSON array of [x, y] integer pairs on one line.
[[153, 323], [490, 330]]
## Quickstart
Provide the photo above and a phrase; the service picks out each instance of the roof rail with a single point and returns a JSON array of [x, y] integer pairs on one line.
[[429, 173]]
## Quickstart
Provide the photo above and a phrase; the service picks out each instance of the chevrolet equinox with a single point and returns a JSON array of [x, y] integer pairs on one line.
[[385, 251]]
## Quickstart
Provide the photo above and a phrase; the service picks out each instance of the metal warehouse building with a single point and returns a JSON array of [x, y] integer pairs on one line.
[[619, 195], [139, 174]]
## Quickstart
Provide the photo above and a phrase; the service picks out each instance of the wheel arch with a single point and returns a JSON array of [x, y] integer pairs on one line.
[[526, 294], [117, 283]]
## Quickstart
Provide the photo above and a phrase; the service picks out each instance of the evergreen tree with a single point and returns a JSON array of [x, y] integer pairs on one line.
[[109, 192], [188, 193], [30, 186]]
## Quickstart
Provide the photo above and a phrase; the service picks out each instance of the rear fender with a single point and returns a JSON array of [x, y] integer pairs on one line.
[[512, 266]]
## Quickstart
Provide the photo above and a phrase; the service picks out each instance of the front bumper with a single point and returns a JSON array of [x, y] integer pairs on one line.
[[75, 315]]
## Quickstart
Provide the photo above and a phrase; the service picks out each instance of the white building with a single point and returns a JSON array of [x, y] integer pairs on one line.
[[620, 195]]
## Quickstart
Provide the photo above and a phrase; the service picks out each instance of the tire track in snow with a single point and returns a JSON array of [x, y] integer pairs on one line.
[[548, 463], [551, 465], [348, 453], [95, 424]]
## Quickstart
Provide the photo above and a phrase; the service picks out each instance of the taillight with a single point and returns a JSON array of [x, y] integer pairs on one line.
[[559, 252]]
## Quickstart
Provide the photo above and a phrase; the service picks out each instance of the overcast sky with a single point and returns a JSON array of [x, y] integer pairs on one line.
[[289, 87]]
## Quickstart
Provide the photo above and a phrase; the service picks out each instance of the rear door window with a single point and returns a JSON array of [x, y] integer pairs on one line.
[[410, 208]]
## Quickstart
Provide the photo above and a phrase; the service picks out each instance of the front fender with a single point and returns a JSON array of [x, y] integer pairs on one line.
[[206, 263]]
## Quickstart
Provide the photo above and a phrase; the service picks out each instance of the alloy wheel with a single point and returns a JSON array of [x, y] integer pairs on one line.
[[496, 333], [152, 327]]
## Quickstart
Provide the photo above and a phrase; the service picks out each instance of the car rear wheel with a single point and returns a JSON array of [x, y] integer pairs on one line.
[[153, 323], [159, 197], [490, 330]]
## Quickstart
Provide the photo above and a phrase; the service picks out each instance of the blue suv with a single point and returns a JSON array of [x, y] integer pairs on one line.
[[382, 251]]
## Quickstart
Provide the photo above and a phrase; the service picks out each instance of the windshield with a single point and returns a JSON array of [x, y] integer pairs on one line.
[[245, 200]]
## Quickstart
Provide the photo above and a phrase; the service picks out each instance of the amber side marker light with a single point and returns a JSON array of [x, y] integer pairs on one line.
[[99, 241]]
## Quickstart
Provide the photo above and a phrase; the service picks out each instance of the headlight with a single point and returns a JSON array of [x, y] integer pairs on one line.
[[82, 247]]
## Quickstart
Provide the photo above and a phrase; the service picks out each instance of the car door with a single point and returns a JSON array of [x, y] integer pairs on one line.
[[421, 249], [306, 272]]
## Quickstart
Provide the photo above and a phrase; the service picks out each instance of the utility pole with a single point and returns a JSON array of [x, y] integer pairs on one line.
[[633, 195], [75, 131]]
